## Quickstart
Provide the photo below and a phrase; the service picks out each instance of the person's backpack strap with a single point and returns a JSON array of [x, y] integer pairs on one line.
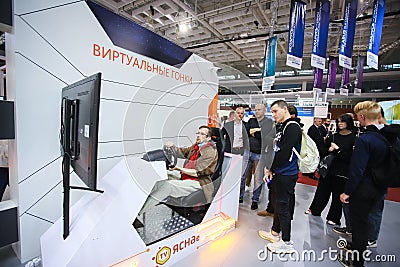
[[294, 149]]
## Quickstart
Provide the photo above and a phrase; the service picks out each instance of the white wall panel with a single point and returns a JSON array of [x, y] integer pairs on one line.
[[52, 46]]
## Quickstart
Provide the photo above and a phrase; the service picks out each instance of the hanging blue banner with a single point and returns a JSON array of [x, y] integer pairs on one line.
[[376, 33], [349, 29], [296, 34], [321, 27], [268, 74]]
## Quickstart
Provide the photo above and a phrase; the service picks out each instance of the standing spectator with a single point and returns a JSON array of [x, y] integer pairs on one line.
[[235, 134], [374, 217], [261, 132], [231, 117], [269, 211], [360, 191], [316, 136], [341, 145], [325, 128], [284, 172]]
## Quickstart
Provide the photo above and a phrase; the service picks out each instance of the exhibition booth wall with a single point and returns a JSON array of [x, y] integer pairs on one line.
[[145, 100]]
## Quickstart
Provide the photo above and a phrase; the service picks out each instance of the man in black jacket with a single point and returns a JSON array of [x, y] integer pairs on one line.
[[360, 191], [316, 136], [261, 132]]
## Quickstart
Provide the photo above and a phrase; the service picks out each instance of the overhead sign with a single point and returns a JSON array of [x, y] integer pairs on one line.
[[296, 34], [321, 27], [331, 81], [268, 75], [349, 28], [376, 33]]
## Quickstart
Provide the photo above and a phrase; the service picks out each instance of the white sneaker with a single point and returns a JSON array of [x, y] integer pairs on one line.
[[372, 244], [267, 235], [331, 222], [281, 247]]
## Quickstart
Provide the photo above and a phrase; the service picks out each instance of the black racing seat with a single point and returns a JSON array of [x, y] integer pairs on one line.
[[194, 206]]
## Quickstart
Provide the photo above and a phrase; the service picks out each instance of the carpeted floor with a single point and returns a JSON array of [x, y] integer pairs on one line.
[[393, 194]]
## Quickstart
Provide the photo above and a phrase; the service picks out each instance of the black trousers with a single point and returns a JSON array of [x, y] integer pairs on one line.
[[271, 197], [330, 185], [283, 186], [362, 200]]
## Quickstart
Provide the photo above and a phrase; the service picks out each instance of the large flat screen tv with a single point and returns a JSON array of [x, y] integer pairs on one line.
[[80, 111], [7, 120]]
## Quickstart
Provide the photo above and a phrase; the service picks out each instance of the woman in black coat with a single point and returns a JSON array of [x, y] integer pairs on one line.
[[341, 145]]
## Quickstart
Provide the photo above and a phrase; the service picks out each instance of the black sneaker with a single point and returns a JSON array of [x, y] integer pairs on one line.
[[343, 261], [240, 200], [254, 205], [341, 230], [137, 224]]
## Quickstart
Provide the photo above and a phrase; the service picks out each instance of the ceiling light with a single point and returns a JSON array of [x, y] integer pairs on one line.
[[183, 27], [261, 64]]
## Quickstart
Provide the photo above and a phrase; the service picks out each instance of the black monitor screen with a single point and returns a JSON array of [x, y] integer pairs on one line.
[[7, 120], [85, 99]]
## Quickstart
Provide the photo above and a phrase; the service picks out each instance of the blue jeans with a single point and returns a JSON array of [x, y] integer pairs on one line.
[[374, 218], [250, 158]]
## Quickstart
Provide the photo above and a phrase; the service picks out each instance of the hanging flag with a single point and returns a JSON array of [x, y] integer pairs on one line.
[[296, 34], [359, 77], [349, 28], [331, 80], [345, 84], [320, 40], [268, 74], [376, 33], [318, 73]]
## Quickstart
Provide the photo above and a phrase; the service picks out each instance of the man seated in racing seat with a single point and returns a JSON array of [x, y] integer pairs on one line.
[[201, 160]]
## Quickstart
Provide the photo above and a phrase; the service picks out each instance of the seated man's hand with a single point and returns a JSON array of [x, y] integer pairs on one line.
[[174, 168], [169, 144]]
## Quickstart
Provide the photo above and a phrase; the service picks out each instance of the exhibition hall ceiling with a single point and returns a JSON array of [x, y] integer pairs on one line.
[[233, 32]]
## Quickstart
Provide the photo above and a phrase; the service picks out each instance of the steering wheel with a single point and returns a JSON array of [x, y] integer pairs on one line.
[[170, 155]]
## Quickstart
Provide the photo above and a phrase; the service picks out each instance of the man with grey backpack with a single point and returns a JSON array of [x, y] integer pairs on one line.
[[284, 172]]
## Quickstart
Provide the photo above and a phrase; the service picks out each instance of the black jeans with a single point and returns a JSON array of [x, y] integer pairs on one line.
[[362, 201], [284, 204], [326, 186], [271, 197], [271, 200]]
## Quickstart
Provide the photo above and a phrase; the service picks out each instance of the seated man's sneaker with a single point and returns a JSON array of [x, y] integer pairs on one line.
[[265, 213], [281, 247], [372, 244], [267, 235]]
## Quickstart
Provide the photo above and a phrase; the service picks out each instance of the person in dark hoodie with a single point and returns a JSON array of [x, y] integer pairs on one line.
[[360, 191], [284, 173], [269, 211]]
